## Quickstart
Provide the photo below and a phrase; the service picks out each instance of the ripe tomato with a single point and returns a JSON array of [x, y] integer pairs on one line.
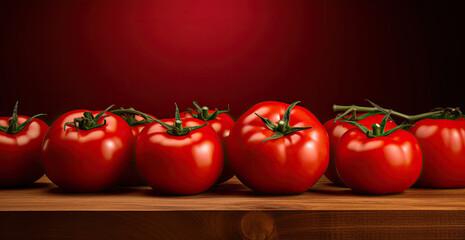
[[284, 158], [378, 164], [222, 123], [179, 157], [91, 156], [335, 132], [443, 144], [137, 121], [20, 141]]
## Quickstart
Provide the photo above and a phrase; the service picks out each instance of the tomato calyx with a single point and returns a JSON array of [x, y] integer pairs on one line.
[[13, 125], [282, 128], [203, 113], [378, 129], [129, 115], [177, 129], [88, 121]]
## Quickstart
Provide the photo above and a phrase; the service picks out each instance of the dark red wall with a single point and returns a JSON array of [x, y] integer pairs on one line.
[[60, 55]]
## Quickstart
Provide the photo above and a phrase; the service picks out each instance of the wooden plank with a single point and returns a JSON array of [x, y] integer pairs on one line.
[[234, 225], [232, 195]]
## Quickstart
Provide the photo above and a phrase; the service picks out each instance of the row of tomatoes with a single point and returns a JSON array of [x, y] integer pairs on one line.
[[273, 148]]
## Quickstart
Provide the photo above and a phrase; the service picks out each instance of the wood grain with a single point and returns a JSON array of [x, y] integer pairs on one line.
[[386, 224], [232, 195], [230, 211]]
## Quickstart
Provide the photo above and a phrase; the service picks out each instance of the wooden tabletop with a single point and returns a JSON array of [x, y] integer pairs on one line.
[[230, 211], [232, 195]]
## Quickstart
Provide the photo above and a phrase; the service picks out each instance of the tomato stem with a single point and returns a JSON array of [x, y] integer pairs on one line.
[[282, 128], [203, 113], [376, 129], [177, 129], [88, 121], [450, 113], [129, 114], [13, 125]]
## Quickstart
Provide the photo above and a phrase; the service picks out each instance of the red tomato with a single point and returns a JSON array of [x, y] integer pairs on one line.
[[378, 165], [222, 124], [335, 132], [290, 163], [183, 165], [443, 144], [19, 151], [87, 160], [137, 123]]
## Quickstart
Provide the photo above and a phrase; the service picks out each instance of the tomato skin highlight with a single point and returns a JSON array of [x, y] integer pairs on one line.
[[222, 124], [180, 165], [287, 165], [19, 153], [87, 160], [379, 165], [443, 144], [335, 132]]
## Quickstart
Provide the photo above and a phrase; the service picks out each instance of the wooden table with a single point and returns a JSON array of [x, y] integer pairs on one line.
[[230, 211]]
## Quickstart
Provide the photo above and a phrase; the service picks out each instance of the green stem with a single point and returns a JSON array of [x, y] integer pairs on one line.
[[408, 118], [13, 125], [282, 128], [376, 129], [177, 129], [88, 121], [205, 113], [129, 114]]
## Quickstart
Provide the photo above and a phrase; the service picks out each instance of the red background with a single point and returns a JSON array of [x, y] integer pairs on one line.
[[60, 55]]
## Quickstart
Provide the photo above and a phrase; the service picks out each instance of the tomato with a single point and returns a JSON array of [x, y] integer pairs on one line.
[[443, 144], [179, 157], [283, 158], [222, 123], [137, 121], [91, 156], [378, 164], [20, 141], [335, 132]]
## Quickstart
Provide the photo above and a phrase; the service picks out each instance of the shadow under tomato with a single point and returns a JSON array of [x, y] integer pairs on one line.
[[330, 184]]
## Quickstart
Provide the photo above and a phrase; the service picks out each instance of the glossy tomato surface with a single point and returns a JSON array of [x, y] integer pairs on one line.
[[87, 160], [222, 124], [287, 165], [378, 165], [181, 165], [443, 144], [335, 132], [134, 177], [19, 153]]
